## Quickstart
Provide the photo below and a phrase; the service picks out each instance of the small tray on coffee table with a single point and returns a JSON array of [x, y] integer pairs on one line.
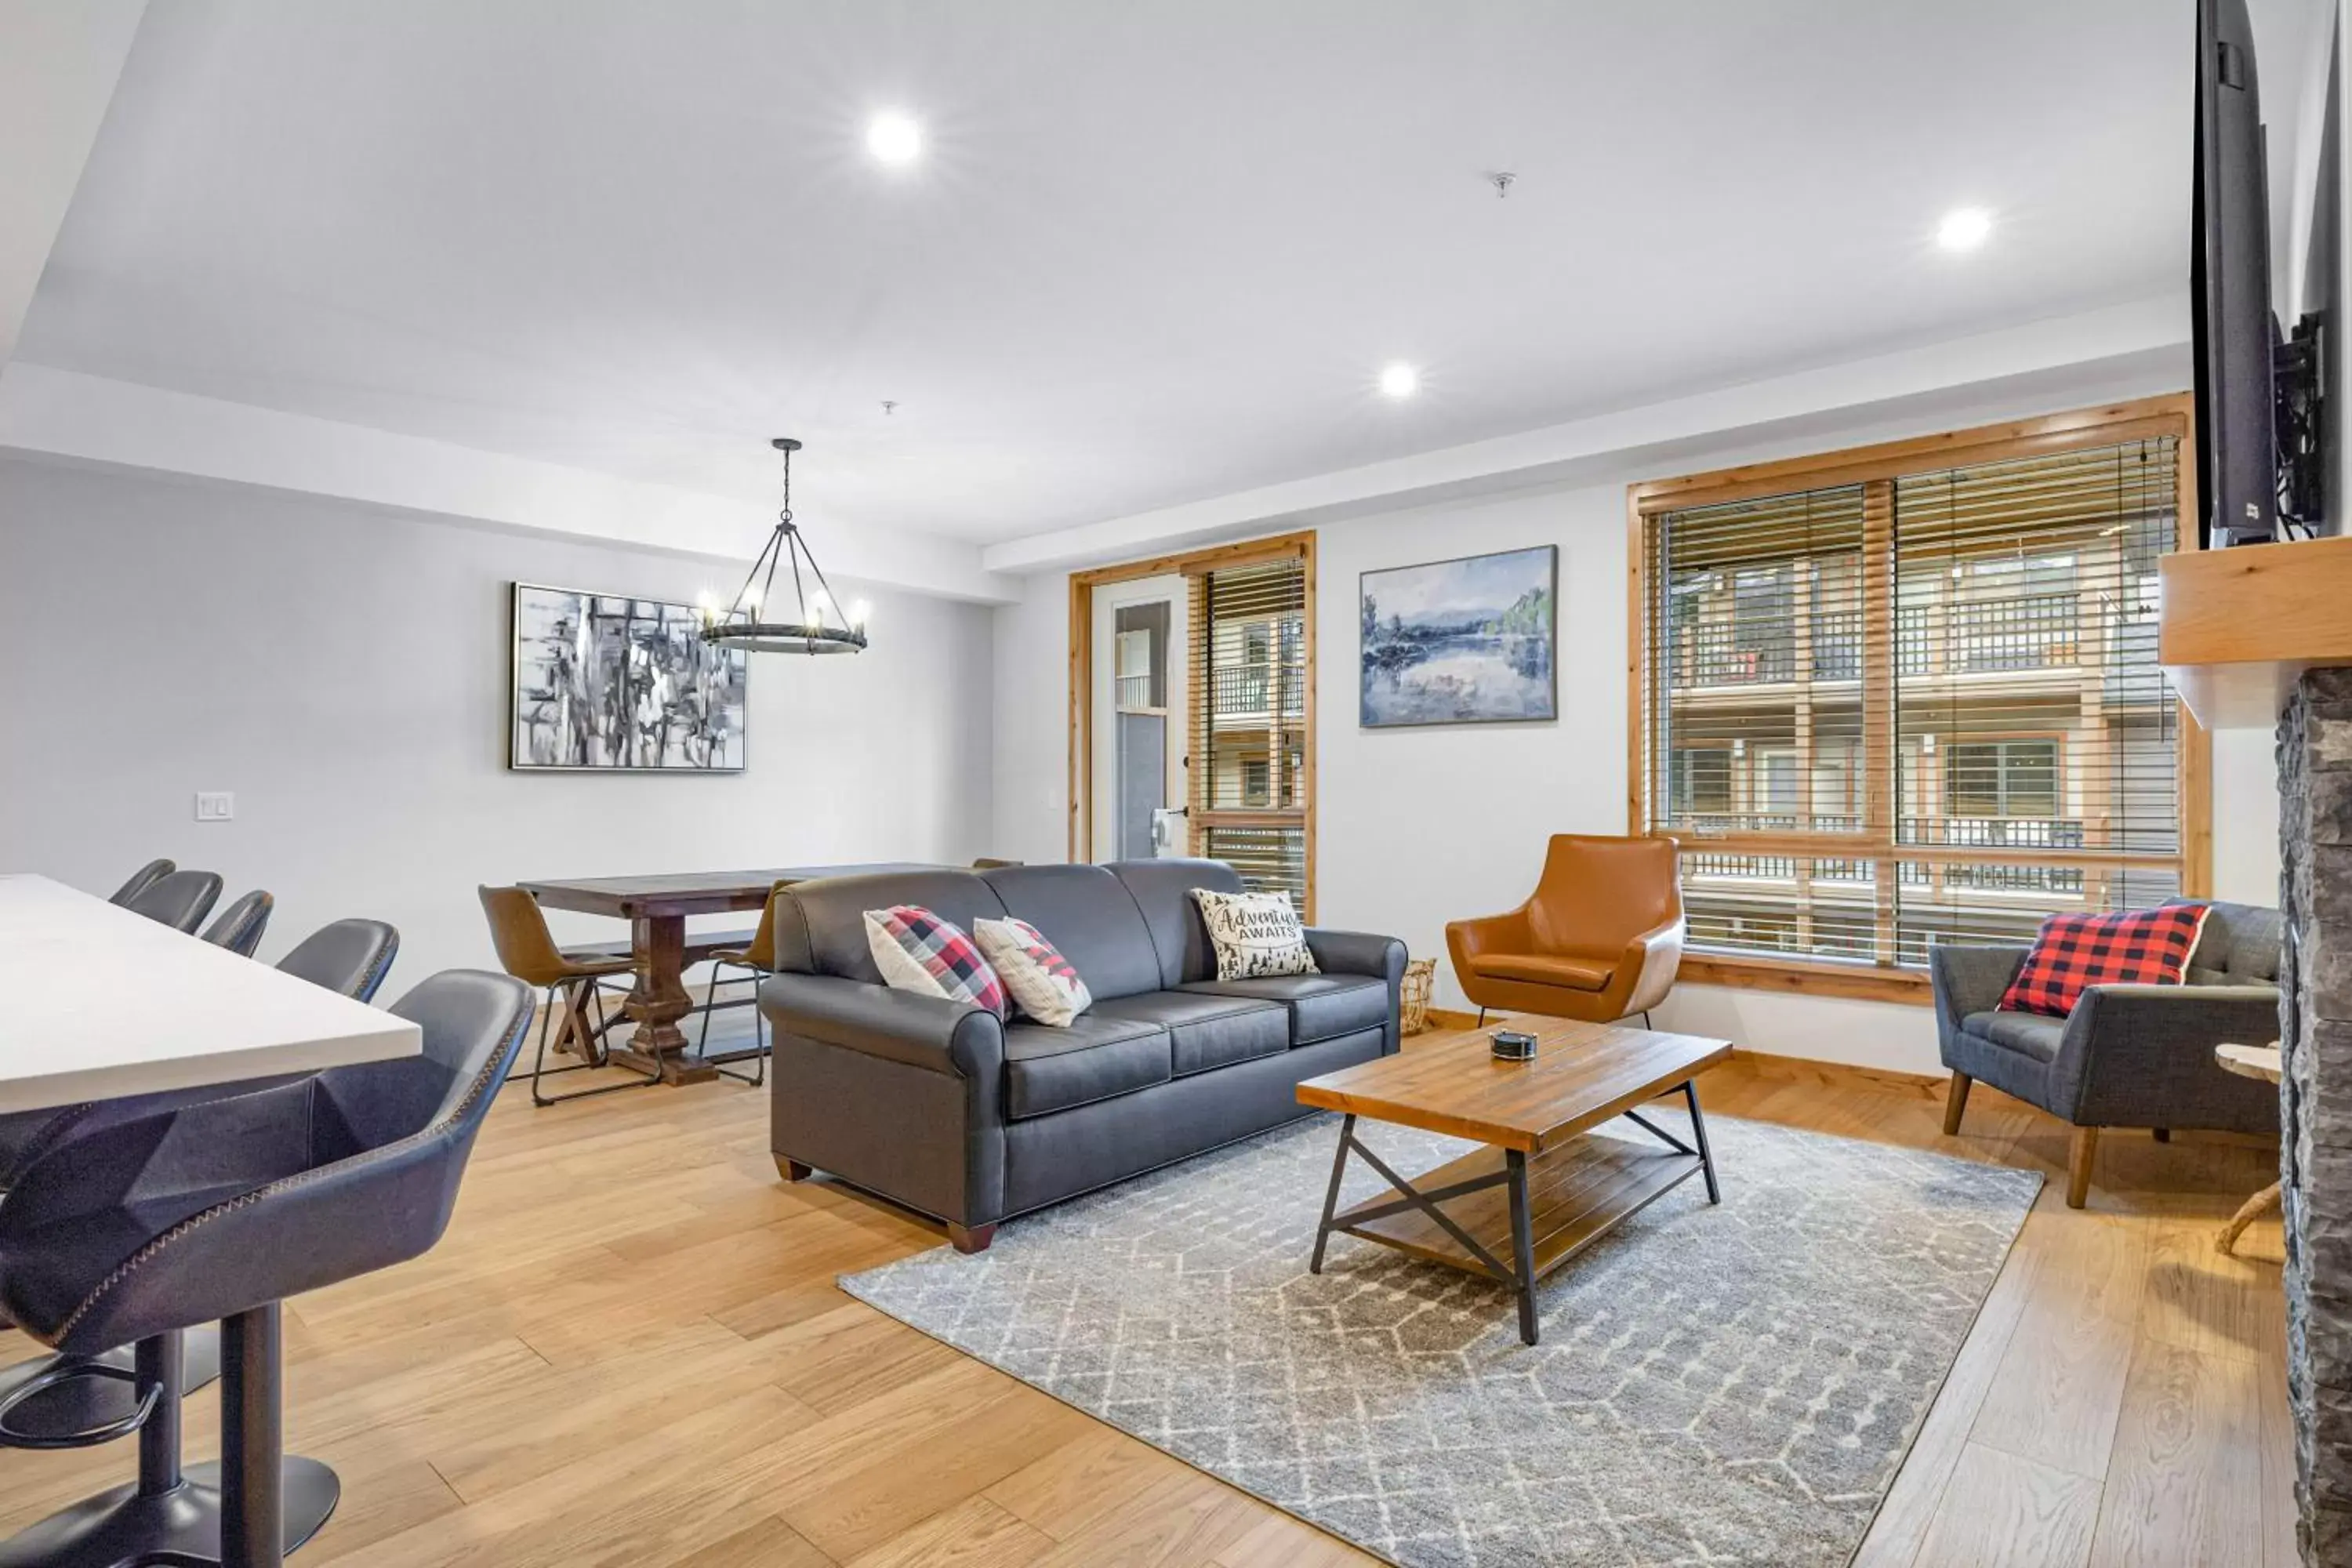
[[1543, 1189]]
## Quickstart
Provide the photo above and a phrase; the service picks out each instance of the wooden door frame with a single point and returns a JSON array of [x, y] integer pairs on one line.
[[1299, 546]]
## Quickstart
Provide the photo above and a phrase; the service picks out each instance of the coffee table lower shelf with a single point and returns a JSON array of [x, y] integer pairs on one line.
[[1467, 1214]]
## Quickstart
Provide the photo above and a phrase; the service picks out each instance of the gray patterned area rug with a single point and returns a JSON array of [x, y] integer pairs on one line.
[[1713, 1385]]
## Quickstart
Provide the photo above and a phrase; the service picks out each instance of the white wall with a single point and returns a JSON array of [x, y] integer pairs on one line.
[[343, 671], [1419, 827]]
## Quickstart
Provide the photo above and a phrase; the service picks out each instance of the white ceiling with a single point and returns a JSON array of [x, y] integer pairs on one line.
[[1158, 250]]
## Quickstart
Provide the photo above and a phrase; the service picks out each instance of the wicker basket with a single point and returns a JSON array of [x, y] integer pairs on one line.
[[1420, 982]]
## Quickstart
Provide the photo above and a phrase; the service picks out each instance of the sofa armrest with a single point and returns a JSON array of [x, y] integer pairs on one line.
[[1969, 979], [926, 1032], [2142, 1055], [1357, 952]]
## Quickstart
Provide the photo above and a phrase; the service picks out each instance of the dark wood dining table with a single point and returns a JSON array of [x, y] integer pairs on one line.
[[656, 907]]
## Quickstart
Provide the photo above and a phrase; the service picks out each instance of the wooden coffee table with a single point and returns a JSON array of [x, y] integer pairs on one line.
[[1543, 1189]]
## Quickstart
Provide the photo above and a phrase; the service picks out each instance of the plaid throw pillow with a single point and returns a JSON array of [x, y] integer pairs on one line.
[[917, 951], [1043, 983], [2137, 947]]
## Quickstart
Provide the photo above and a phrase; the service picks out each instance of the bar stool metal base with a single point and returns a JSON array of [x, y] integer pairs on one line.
[[179, 1526], [78, 1402]]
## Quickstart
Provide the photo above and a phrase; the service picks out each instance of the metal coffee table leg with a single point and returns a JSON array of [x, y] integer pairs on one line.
[[1331, 1198], [1523, 1244]]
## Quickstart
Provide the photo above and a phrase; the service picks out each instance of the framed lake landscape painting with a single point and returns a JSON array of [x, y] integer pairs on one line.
[[611, 683], [1468, 641]]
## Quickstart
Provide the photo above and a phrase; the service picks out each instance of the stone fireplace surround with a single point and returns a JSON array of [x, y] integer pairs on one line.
[[2315, 755]]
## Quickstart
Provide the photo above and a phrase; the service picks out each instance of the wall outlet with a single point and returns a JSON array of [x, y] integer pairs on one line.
[[215, 805]]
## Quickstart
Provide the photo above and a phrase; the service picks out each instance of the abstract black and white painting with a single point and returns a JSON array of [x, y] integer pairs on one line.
[[607, 682], [1460, 642]]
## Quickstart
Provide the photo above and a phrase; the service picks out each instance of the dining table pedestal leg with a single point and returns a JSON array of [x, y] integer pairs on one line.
[[657, 1003]]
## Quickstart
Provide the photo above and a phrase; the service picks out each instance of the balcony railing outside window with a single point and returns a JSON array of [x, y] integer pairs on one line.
[[2038, 632]]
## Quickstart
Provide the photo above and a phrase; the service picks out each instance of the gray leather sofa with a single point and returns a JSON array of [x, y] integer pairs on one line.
[[942, 1108]]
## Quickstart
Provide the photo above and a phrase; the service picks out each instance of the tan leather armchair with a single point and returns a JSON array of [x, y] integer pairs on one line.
[[1600, 939]]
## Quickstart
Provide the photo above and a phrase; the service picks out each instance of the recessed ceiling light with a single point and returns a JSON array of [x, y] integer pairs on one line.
[[1964, 228], [894, 138], [1399, 380]]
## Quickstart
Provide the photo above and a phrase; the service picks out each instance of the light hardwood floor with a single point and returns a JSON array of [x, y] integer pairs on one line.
[[630, 1350]]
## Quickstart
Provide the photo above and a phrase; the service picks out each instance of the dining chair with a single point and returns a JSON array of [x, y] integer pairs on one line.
[[70, 1402], [238, 928], [142, 879], [216, 1213], [527, 951], [180, 899], [758, 957]]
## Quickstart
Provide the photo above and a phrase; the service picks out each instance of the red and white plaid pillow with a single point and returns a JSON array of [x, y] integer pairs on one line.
[[917, 951], [1043, 983], [2137, 947]]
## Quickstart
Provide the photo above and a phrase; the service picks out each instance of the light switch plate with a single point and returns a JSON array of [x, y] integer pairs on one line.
[[215, 805]]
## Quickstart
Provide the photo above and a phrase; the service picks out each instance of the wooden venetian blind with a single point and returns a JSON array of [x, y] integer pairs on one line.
[[1921, 709], [1249, 775]]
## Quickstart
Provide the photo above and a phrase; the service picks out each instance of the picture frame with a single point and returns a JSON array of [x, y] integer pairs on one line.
[[1471, 639], [620, 683]]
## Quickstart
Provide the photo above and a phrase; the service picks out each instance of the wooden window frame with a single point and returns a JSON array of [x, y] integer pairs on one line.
[[2172, 415], [1299, 547]]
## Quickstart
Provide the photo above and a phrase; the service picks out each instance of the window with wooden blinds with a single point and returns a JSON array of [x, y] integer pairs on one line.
[[1919, 705], [1250, 773]]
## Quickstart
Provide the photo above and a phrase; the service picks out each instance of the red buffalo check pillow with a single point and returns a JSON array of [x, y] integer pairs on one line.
[[1042, 983], [917, 951], [2137, 947]]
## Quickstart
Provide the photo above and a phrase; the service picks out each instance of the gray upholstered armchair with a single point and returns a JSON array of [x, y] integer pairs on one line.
[[2128, 1056]]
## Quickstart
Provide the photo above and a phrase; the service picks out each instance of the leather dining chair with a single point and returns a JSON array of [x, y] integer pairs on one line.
[[238, 928], [757, 959], [75, 1402], [180, 899], [1599, 940], [142, 879], [219, 1211], [573, 981]]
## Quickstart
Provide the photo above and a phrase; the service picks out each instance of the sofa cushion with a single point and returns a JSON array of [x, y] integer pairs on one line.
[[821, 925], [1163, 890], [2035, 1034], [1208, 1031], [1090, 916], [1322, 1006], [1096, 1057], [1545, 969], [2240, 945]]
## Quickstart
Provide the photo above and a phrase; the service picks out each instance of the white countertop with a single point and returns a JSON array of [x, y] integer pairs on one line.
[[97, 1002]]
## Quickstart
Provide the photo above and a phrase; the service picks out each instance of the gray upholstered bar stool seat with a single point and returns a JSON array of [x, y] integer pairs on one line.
[[238, 928], [180, 899], [218, 1212], [74, 1401], [142, 879]]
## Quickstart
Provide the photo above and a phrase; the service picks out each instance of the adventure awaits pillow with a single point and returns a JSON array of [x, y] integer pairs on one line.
[[1255, 935], [1043, 983], [917, 951]]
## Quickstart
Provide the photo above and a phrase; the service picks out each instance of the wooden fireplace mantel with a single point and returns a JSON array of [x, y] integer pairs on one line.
[[2237, 627]]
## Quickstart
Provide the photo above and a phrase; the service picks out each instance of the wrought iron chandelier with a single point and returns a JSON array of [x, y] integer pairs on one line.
[[821, 626]]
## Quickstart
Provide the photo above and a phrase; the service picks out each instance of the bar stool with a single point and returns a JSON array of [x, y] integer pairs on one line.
[[758, 957], [79, 1402], [527, 951], [219, 1211], [238, 928], [142, 879], [180, 899]]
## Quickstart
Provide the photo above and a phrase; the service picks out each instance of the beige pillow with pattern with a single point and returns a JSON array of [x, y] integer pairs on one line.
[[1255, 935]]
